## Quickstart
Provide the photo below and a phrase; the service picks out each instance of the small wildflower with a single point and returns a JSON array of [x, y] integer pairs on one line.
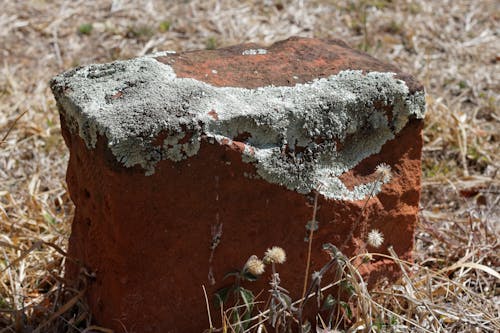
[[254, 266], [375, 238], [384, 171], [275, 255], [367, 257]]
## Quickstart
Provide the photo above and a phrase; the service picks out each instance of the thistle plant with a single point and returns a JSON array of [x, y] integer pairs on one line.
[[311, 226], [384, 174], [243, 298], [280, 305], [336, 259], [374, 238]]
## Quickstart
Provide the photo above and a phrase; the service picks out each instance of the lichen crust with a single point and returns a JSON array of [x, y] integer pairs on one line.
[[303, 137], [254, 52]]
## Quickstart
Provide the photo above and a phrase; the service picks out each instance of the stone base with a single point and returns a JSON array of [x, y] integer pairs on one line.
[[163, 149], [147, 238]]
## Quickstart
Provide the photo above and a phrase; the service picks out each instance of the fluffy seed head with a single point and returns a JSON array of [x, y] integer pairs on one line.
[[275, 255], [254, 266], [375, 238], [384, 171]]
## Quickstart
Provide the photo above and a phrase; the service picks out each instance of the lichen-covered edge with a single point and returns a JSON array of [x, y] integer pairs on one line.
[[292, 134]]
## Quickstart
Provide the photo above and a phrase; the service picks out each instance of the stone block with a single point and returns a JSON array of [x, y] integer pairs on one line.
[[167, 148]]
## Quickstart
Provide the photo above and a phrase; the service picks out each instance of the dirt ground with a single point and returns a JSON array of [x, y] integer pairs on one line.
[[451, 46]]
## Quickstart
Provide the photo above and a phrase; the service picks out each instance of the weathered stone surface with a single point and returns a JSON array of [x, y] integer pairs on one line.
[[164, 148]]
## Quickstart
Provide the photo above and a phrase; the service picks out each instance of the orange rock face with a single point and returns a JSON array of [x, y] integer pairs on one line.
[[144, 223]]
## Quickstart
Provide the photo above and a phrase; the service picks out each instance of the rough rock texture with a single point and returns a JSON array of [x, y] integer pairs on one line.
[[166, 147]]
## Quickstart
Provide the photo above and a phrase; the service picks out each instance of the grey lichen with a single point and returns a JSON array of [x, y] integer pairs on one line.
[[292, 133], [254, 51], [165, 53]]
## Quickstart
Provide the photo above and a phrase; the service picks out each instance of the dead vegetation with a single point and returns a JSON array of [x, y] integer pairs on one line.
[[450, 46]]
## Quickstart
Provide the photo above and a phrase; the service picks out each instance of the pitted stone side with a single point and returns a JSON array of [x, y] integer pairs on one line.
[[292, 133]]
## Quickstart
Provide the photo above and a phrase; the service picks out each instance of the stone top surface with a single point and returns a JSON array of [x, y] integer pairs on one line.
[[303, 111], [285, 63]]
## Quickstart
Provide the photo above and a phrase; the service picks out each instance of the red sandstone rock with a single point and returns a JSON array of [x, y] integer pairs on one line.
[[165, 148]]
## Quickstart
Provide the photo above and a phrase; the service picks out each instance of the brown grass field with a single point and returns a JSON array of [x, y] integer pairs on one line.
[[451, 46]]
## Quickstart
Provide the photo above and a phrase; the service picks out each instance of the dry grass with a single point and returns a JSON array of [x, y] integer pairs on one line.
[[452, 46]]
